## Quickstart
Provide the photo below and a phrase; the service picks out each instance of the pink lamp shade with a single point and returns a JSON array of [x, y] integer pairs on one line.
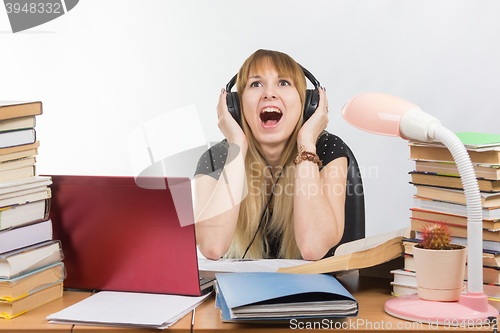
[[376, 113]]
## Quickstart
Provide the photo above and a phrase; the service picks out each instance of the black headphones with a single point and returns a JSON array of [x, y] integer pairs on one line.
[[311, 104]]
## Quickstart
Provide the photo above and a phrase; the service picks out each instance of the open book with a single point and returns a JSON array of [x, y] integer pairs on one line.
[[361, 253], [208, 268]]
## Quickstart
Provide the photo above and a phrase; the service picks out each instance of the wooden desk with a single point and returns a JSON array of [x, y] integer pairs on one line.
[[371, 294]]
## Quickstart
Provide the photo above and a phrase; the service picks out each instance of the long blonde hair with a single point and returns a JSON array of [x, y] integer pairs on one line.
[[281, 223]]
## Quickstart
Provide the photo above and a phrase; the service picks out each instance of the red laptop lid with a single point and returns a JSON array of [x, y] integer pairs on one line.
[[116, 235]]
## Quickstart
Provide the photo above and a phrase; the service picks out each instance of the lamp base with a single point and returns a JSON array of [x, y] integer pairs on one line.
[[470, 310]]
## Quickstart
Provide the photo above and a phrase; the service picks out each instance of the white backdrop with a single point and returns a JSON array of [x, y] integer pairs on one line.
[[108, 66]]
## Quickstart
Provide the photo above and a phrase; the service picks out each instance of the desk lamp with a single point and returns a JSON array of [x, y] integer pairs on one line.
[[389, 115]]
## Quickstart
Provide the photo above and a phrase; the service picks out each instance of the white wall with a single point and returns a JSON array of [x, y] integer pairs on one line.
[[108, 66]]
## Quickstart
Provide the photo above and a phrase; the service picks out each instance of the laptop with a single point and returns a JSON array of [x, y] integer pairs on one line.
[[119, 236]]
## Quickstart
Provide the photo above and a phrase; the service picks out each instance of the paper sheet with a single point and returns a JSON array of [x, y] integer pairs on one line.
[[111, 308], [244, 265]]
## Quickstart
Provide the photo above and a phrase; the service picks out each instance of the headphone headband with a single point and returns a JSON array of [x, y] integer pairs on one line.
[[307, 74]]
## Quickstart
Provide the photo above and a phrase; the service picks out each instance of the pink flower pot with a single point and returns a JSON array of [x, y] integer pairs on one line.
[[440, 273]]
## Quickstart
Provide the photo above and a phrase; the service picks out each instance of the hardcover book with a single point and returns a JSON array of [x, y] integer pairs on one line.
[[23, 260], [25, 235], [17, 138], [9, 110], [21, 305], [17, 124], [31, 282], [14, 153], [420, 178]]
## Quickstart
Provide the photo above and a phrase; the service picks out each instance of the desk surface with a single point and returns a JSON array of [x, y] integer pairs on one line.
[[371, 294]]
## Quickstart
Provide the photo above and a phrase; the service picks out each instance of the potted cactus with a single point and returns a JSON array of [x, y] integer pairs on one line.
[[439, 265]]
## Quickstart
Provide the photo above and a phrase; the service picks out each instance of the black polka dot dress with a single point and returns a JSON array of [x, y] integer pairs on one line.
[[328, 147]]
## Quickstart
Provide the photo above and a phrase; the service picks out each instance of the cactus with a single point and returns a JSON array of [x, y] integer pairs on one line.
[[436, 237]]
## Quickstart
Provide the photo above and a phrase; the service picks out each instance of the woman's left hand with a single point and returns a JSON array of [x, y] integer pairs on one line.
[[316, 124]]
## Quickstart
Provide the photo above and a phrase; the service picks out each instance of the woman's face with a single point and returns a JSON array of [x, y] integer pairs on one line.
[[271, 105]]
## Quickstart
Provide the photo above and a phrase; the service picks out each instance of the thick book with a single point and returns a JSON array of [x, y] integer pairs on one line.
[[491, 275], [25, 259], [21, 305], [361, 253], [17, 138], [473, 141], [486, 171], [431, 216], [420, 178], [488, 200], [488, 246], [25, 235], [17, 123], [443, 154], [24, 184], [18, 173], [18, 163], [407, 281], [491, 258], [490, 214], [17, 152], [401, 289], [13, 216], [25, 196], [262, 296], [31, 282], [404, 283], [458, 231], [10, 110], [478, 140]]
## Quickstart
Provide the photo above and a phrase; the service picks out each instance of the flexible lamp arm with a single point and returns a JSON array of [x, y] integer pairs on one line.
[[416, 124], [474, 208]]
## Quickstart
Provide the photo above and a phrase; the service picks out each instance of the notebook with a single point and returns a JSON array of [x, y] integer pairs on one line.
[[119, 236]]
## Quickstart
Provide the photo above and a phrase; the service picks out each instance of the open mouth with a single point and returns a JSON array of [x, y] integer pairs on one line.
[[270, 116]]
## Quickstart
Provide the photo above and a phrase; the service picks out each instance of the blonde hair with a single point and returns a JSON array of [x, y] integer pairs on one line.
[[252, 207]]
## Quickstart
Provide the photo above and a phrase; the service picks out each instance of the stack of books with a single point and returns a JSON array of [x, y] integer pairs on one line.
[[440, 199], [31, 269]]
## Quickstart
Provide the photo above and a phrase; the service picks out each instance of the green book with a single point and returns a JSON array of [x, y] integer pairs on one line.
[[479, 140]]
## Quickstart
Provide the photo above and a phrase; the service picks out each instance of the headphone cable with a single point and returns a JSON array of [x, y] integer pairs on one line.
[[265, 209]]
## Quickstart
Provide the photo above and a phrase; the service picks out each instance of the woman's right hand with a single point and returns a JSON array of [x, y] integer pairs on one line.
[[227, 124]]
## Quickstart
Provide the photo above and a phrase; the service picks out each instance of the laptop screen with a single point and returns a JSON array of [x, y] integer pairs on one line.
[[118, 236]]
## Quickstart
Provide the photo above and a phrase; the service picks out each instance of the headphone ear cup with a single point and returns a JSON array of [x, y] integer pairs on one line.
[[311, 104], [233, 105]]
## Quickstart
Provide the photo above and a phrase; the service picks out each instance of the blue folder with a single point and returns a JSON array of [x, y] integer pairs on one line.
[[242, 289]]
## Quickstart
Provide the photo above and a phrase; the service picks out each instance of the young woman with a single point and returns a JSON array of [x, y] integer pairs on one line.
[[275, 188]]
